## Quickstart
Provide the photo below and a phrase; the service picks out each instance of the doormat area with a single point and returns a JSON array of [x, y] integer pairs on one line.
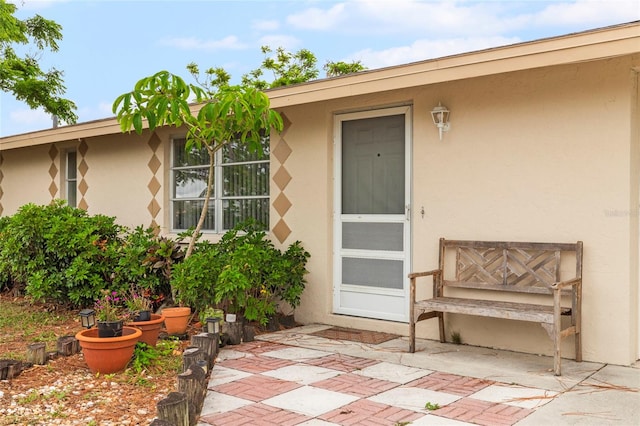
[[353, 335]]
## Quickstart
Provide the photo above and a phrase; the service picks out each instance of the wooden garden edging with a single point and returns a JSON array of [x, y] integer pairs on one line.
[[37, 354], [182, 408]]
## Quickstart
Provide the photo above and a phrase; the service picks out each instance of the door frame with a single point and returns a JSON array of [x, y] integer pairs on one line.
[[338, 252]]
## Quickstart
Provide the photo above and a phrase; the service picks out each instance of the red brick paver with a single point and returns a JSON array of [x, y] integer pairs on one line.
[[256, 388], [357, 385], [255, 415], [341, 362], [364, 412], [450, 383], [256, 364], [483, 412]]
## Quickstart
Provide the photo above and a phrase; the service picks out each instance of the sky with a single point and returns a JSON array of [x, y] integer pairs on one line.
[[108, 45]]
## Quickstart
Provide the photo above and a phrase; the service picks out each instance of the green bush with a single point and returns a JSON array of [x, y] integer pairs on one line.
[[242, 273], [62, 254]]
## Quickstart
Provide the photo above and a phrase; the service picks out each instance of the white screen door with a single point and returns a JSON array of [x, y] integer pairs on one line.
[[371, 216]]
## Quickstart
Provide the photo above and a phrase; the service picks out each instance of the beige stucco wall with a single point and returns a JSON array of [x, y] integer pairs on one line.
[[25, 177], [539, 155], [549, 154]]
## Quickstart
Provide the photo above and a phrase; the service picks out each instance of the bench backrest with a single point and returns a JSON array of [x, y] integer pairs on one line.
[[508, 266]]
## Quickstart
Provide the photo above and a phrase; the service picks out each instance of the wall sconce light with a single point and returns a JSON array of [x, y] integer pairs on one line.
[[213, 325], [440, 116], [87, 318]]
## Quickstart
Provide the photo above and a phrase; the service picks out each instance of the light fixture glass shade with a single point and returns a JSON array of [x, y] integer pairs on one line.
[[440, 117], [87, 318], [213, 325]]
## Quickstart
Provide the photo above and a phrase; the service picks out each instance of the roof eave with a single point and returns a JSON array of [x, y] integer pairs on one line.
[[580, 47]]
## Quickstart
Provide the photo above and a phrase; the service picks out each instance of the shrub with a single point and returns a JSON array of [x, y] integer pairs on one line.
[[63, 254], [242, 273], [58, 252]]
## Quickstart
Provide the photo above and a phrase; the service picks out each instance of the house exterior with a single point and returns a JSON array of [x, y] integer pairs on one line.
[[544, 145]]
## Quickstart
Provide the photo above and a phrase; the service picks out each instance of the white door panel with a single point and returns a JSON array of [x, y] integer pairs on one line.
[[371, 224]]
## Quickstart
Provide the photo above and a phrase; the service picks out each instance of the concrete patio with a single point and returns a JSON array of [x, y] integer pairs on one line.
[[295, 377]]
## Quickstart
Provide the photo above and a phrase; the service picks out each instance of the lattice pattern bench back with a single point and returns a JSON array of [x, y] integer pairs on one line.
[[508, 266]]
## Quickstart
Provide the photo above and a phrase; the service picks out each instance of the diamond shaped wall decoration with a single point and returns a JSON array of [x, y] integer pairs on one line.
[[83, 205], [154, 164], [282, 151], [53, 189], [282, 204], [154, 142], [281, 231], [83, 148], [83, 168], [53, 171], [282, 178], [154, 186], [154, 208], [53, 152], [83, 187]]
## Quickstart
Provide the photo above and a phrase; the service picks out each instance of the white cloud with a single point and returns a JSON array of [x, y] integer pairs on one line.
[[193, 43], [272, 25], [31, 117], [427, 49], [318, 19], [274, 41], [588, 13]]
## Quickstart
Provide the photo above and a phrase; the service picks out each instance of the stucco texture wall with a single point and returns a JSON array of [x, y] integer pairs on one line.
[[26, 177], [541, 155]]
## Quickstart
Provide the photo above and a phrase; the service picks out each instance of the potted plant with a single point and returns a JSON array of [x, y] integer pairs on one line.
[[176, 319], [139, 307], [141, 317], [109, 314], [106, 355]]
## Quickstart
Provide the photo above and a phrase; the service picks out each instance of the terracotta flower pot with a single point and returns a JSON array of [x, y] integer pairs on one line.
[[150, 329], [176, 319], [106, 355]]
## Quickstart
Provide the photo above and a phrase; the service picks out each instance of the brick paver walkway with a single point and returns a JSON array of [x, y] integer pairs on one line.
[[264, 383]]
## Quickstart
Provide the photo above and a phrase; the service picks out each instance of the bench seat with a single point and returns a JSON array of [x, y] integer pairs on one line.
[[499, 267], [491, 308]]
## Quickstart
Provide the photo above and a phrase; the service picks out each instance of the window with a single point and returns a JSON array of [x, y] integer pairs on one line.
[[71, 178], [240, 186]]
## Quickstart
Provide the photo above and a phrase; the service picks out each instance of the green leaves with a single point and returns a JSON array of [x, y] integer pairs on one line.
[[244, 273], [22, 76], [62, 254]]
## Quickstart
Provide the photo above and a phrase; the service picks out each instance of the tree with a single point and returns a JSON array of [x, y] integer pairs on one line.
[[335, 69], [22, 76], [292, 68], [228, 114]]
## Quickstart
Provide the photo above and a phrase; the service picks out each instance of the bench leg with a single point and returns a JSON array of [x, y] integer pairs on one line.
[[557, 333], [412, 336], [441, 325]]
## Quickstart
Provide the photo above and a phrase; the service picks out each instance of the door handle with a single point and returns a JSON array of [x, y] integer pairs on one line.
[[407, 210]]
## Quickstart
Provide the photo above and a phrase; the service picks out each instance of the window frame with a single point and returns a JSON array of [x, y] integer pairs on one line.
[[218, 198], [70, 183]]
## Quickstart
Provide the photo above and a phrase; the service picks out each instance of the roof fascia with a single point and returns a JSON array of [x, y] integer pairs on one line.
[[575, 48]]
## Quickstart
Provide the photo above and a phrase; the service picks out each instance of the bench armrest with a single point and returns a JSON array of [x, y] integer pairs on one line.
[[567, 283], [424, 274]]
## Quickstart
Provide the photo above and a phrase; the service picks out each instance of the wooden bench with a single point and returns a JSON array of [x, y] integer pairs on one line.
[[512, 267]]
